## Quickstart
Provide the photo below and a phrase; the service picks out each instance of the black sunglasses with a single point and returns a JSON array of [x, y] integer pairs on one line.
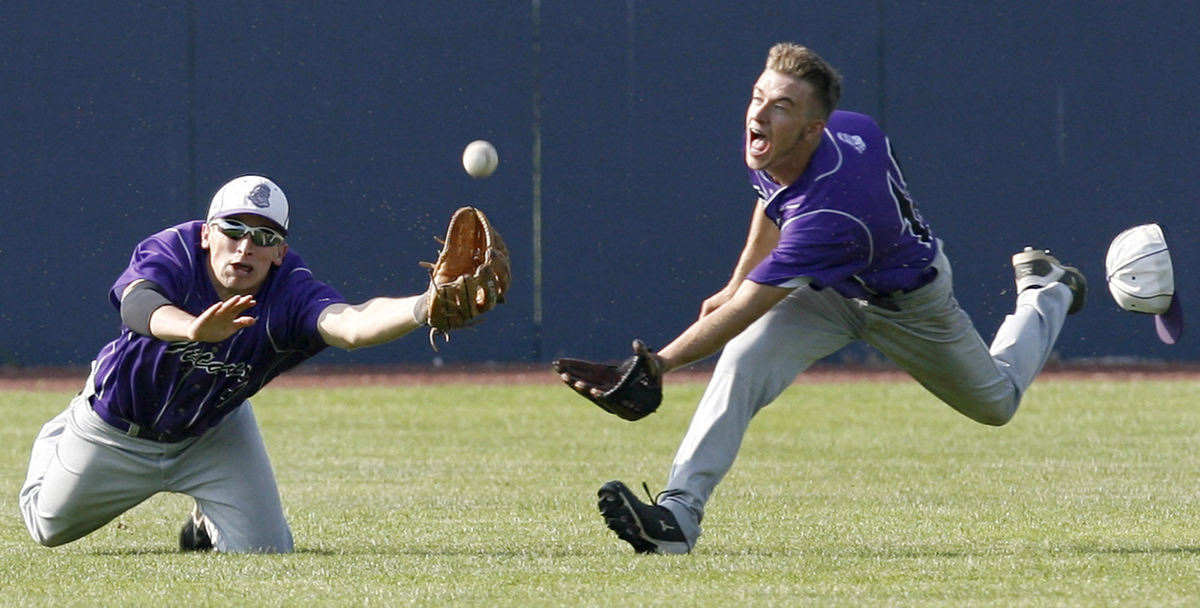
[[260, 235]]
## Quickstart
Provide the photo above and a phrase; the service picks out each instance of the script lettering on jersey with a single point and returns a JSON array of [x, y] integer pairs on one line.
[[193, 354]]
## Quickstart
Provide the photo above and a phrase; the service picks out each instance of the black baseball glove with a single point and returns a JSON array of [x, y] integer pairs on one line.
[[631, 390]]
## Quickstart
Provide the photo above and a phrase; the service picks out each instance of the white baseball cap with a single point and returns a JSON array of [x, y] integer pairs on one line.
[[1142, 279], [253, 194]]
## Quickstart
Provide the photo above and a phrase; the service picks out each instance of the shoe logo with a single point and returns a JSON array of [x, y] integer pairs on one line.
[[662, 523]]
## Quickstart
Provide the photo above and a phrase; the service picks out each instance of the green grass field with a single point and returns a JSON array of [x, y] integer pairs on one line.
[[845, 494]]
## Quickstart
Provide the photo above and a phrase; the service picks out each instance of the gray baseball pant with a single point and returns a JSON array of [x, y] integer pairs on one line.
[[930, 337], [83, 473]]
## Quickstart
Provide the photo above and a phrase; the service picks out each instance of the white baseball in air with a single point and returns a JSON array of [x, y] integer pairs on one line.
[[480, 158]]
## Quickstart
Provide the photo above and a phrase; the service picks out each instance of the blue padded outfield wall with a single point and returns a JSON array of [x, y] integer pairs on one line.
[[1054, 124]]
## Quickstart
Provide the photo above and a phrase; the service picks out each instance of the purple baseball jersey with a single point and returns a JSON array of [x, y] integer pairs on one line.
[[185, 388], [848, 222]]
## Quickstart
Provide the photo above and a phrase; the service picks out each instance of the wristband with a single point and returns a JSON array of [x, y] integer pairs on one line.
[[420, 313]]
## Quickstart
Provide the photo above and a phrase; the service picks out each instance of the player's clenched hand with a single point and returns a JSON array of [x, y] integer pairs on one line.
[[222, 320]]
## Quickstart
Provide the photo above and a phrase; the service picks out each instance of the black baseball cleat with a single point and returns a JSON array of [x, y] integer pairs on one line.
[[193, 537], [1036, 268], [649, 528]]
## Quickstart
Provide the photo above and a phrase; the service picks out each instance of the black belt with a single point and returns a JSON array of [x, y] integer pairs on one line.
[[884, 300], [135, 430]]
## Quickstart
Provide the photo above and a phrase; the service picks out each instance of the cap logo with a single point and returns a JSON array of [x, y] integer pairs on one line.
[[260, 196]]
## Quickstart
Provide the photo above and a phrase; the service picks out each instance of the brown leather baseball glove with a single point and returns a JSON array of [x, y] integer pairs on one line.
[[631, 390], [470, 277]]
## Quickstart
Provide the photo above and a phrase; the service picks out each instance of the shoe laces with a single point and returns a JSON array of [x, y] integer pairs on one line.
[[651, 495]]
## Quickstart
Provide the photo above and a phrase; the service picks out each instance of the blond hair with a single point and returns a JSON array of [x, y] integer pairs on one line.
[[802, 63]]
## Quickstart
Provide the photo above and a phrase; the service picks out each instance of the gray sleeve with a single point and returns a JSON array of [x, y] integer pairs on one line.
[[143, 299]]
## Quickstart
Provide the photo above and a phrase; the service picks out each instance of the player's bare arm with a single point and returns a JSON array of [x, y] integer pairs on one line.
[[167, 322], [710, 333], [705, 337], [376, 321], [761, 238], [216, 324], [723, 315]]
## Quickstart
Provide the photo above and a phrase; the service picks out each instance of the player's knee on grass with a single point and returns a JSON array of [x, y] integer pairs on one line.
[[991, 413], [266, 538], [45, 532]]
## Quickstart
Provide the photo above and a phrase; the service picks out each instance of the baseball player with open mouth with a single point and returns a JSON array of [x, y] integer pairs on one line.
[[837, 252], [212, 310]]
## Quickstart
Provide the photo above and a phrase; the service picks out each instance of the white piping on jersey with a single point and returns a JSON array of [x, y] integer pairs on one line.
[[270, 334], [861, 224], [895, 178], [187, 249], [836, 167], [906, 225], [270, 371], [98, 383], [174, 391], [203, 402], [895, 164]]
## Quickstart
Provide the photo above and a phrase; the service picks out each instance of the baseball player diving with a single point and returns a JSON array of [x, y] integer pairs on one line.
[[836, 252], [211, 311]]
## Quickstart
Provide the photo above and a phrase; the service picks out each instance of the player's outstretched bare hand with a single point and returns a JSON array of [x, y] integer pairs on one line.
[[222, 320]]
